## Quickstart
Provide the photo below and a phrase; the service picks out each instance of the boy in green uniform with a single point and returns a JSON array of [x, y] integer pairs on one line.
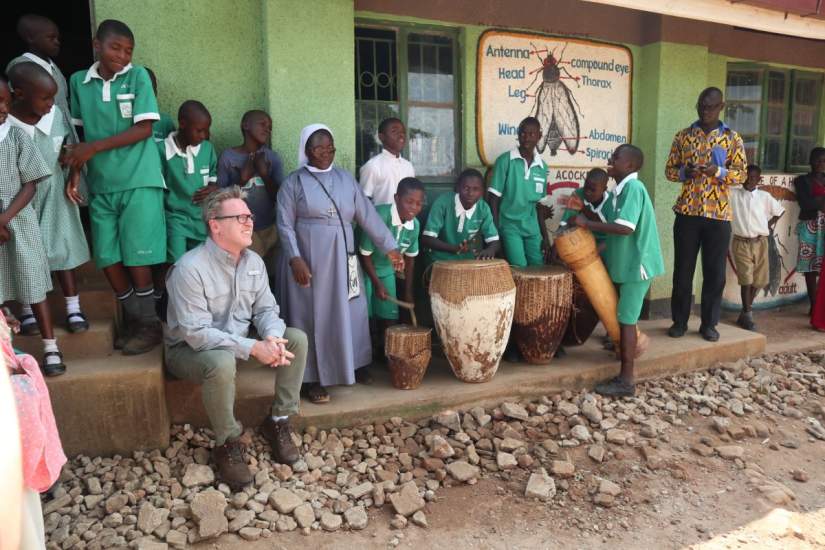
[[400, 217], [114, 103], [519, 182], [633, 257], [190, 169], [458, 222], [165, 125], [590, 201]]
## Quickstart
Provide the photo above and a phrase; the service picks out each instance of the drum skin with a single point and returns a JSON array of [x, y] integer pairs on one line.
[[544, 300], [473, 303]]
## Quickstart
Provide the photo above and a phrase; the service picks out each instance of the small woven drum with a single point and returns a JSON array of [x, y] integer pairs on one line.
[[473, 303], [583, 318], [544, 299], [576, 247], [408, 353]]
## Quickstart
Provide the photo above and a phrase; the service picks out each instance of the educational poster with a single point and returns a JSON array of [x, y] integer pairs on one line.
[[579, 90], [786, 285]]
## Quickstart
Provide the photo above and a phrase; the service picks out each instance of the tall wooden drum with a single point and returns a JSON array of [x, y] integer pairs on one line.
[[473, 303], [408, 353], [544, 299], [576, 247]]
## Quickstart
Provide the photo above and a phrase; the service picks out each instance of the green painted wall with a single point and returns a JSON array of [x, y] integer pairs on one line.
[[209, 50], [309, 67]]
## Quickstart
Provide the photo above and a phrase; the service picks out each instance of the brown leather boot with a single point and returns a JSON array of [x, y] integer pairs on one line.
[[231, 463], [279, 436]]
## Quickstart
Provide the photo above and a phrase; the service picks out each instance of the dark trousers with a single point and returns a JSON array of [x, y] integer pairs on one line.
[[690, 235]]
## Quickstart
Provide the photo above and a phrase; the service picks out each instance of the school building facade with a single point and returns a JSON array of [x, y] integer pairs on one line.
[[462, 74]]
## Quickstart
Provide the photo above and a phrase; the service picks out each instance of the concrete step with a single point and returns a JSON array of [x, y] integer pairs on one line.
[[583, 367], [94, 343], [95, 304], [111, 404]]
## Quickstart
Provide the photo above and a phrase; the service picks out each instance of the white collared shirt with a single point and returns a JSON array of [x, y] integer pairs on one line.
[[380, 175], [189, 154], [752, 210], [4, 129], [107, 92], [462, 214], [537, 161], [397, 224], [44, 124], [48, 65]]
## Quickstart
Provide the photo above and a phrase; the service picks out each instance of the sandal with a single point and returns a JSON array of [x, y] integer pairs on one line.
[[53, 369], [28, 325], [77, 322], [317, 394]]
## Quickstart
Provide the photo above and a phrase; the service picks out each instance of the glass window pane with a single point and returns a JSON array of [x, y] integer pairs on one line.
[[804, 122], [771, 156], [776, 87], [805, 92], [375, 65], [368, 115], [432, 140], [751, 148], [744, 86], [776, 121], [430, 67], [743, 117], [799, 151]]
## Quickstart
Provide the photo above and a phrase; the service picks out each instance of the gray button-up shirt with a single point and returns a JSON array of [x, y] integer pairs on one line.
[[213, 301]]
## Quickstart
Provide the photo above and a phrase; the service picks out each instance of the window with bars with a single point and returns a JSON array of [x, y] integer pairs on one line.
[[776, 111], [408, 73]]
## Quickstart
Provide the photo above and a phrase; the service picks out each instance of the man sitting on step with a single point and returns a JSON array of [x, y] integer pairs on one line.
[[216, 291]]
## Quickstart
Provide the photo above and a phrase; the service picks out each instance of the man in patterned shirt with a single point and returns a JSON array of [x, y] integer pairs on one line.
[[706, 159]]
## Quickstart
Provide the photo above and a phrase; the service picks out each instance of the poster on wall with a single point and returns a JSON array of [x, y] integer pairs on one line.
[[786, 285], [579, 90]]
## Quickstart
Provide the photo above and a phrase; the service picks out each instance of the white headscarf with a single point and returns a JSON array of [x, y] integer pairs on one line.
[[302, 145]]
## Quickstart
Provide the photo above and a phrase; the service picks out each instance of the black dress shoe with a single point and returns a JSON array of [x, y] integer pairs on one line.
[[709, 333], [53, 369], [616, 387], [676, 330]]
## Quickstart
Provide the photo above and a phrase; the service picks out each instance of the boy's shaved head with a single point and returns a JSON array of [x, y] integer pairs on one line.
[[192, 108], [597, 175], [634, 153], [113, 27], [31, 23], [252, 115], [26, 76]]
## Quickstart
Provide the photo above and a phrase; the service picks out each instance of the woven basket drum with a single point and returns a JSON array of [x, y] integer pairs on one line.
[[408, 352], [544, 299], [473, 303], [577, 248]]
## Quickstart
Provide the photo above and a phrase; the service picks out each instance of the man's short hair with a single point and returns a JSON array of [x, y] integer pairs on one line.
[[212, 204]]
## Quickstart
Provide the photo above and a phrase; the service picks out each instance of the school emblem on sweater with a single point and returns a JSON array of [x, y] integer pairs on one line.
[[579, 90]]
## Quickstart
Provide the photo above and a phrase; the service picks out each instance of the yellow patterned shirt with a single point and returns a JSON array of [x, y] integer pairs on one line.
[[707, 196]]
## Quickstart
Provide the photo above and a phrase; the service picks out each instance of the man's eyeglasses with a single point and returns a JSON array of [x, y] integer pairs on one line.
[[242, 218]]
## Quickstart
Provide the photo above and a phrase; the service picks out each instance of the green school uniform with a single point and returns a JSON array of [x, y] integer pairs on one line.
[[129, 227], [632, 260], [185, 173], [162, 128], [596, 209], [58, 217], [448, 221], [519, 187], [406, 236]]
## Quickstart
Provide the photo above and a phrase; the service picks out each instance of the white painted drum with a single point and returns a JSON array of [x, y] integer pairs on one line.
[[473, 303]]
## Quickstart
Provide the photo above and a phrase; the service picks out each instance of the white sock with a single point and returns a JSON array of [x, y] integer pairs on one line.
[[28, 315], [51, 345], [72, 305], [279, 418]]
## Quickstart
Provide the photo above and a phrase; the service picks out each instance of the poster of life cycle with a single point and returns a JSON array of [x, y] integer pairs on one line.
[[579, 90]]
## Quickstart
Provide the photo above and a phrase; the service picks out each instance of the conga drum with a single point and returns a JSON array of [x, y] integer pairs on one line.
[[408, 354], [576, 247], [473, 303], [583, 318], [544, 299]]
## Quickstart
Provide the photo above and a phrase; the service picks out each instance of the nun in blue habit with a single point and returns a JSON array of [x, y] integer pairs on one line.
[[319, 280]]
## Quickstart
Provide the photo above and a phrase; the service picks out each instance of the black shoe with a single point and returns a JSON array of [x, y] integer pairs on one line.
[[53, 369], [676, 330], [363, 376], [616, 388], [709, 333], [745, 321], [77, 322], [28, 325]]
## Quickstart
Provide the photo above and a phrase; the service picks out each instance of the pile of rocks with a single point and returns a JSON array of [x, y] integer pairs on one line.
[[170, 498]]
